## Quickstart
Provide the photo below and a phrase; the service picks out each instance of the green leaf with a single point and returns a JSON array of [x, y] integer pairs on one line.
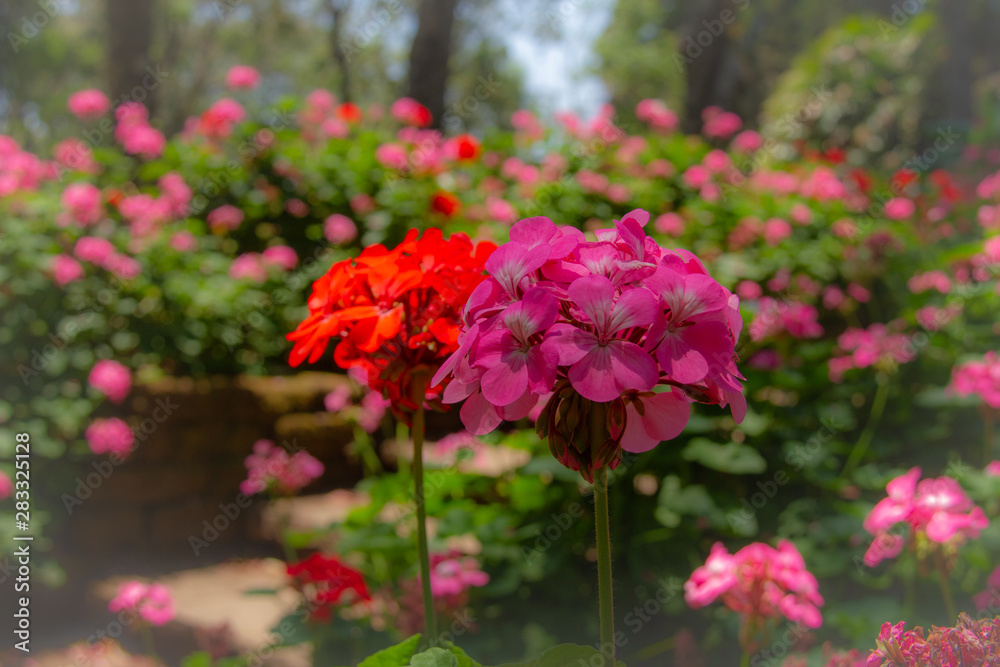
[[434, 657], [394, 656], [676, 499], [564, 655], [732, 457], [200, 659], [463, 659]]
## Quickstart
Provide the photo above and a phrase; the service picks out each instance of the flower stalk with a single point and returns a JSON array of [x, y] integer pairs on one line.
[[423, 553], [599, 433]]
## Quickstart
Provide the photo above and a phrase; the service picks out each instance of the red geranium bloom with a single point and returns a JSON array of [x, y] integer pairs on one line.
[[902, 178], [349, 112], [445, 203], [466, 147], [329, 580], [397, 312]]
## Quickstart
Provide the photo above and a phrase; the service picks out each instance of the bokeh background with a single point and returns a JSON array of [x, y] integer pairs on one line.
[[828, 110]]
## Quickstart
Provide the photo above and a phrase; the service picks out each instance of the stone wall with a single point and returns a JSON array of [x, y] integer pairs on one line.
[[192, 439]]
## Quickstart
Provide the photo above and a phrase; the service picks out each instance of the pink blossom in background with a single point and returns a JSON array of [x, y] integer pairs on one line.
[[719, 124], [453, 573], [135, 134], [6, 486], [758, 582], [184, 242], [937, 508], [338, 399], [152, 602], [858, 293], [989, 598], [716, 161], [407, 110], [75, 154], [876, 345], [527, 125], [89, 104], [899, 208], [226, 217], [500, 210], [176, 194], [931, 280], [618, 193], [339, 229], [82, 202], [747, 141], [218, 121], [775, 317], [280, 256], [144, 213], [123, 266], [272, 467], [334, 128], [362, 203], [801, 214], [660, 168], [978, 378], [93, 249], [248, 266], [242, 77], [65, 270], [767, 360], [658, 115], [823, 185], [110, 436], [112, 379], [695, 176], [933, 318], [780, 281], [776, 230], [670, 224], [393, 156], [373, 407], [749, 290], [297, 207], [992, 469], [833, 297]]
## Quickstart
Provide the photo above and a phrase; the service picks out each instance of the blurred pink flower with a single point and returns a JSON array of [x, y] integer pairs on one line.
[[93, 249], [362, 203], [297, 207], [123, 266], [978, 378], [339, 229], [799, 320], [184, 242], [875, 346], [242, 77], [272, 467], [218, 121], [82, 202], [992, 469], [393, 156], [899, 208], [110, 436], [671, 224], [89, 104], [111, 379], [65, 270], [658, 115], [989, 598], [152, 603], [720, 124], [453, 573], [338, 399], [248, 266], [226, 217], [747, 141], [6, 486], [776, 230], [281, 256], [75, 154], [407, 110], [373, 407], [176, 193]]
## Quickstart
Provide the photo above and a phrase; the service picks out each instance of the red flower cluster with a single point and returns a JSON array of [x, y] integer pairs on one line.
[[968, 643], [328, 580], [445, 203], [397, 312]]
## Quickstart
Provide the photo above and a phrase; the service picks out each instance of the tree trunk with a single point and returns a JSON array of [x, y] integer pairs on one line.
[[130, 33], [957, 70], [707, 64], [338, 10], [429, 56]]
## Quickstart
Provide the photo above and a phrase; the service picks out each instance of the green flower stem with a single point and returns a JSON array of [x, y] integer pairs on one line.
[[988, 422], [284, 534], [878, 407], [949, 603], [599, 430], [146, 632], [417, 433]]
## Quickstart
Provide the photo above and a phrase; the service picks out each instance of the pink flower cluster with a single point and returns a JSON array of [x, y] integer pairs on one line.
[[339, 229], [88, 104], [82, 204], [101, 252], [758, 582], [6, 486], [134, 132], [606, 320], [658, 115], [799, 320], [218, 121], [242, 77], [151, 602], [937, 508], [980, 378], [272, 467], [110, 436], [931, 280], [111, 379], [453, 573], [874, 346], [720, 124], [989, 598], [20, 170], [369, 412]]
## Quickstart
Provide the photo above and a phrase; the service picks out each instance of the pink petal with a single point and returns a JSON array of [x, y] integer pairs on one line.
[[666, 415], [636, 307], [537, 311], [594, 295], [593, 377], [632, 367], [479, 416], [569, 343], [507, 381], [511, 262]]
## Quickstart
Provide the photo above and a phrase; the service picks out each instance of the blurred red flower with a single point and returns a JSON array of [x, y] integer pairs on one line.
[[445, 203], [329, 580]]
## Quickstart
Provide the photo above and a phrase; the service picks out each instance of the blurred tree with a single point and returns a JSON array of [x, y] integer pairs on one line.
[[129, 37], [429, 55]]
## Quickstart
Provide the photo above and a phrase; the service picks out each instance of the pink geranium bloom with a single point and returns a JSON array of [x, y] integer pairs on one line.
[[176, 193], [670, 224], [248, 266], [759, 582], [720, 124], [111, 379], [75, 154], [242, 77], [408, 110], [110, 436], [747, 141], [937, 508], [989, 598], [123, 266], [66, 270], [453, 573], [184, 242], [93, 249], [83, 203], [6, 486], [339, 229], [226, 217], [272, 467], [338, 399], [992, 469], [218, 121], [776, 230], [899, 208], [978, 378], [153, 603], [280, 256], [658, 115], [89, 104]]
